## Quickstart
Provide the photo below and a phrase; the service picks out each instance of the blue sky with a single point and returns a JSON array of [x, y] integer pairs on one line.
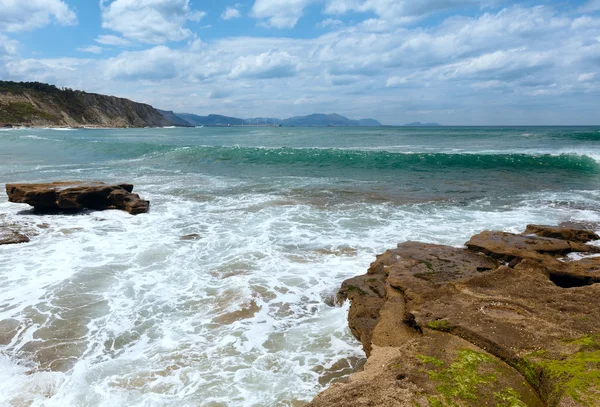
[[487, 62]]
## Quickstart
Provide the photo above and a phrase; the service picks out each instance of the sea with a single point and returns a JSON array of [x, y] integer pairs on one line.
[[109, 309]]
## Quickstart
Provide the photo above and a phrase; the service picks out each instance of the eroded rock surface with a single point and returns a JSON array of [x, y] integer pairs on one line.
[[77, 195], [508, 321]]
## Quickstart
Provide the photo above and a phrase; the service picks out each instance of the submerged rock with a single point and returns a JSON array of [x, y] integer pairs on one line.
[[9, 236], [78, 195], [506, 322]]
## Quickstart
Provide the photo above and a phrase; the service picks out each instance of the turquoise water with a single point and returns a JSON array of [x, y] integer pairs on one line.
[[105, 309]]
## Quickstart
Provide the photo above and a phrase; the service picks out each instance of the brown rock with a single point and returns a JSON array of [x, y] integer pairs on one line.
[[78, 195], [508, 246], [564, 233], [9, 236], [451, 326]]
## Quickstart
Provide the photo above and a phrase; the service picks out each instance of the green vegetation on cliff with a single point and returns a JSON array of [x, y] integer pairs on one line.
[[41, 104]]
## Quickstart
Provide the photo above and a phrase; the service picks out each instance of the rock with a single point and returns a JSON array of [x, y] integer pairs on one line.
[[9, 236], [193, 236], [509, 246], [564, 233], [78, 195], [452, 326]]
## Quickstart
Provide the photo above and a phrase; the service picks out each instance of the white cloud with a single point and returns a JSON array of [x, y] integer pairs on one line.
[[18, 15], [396, 81], [155, 64], [584, 77], [149, 21], [279, 13], [94, 49], [7, 47], [590, 6], [268, 65], [330, 22], [231, 12], [400, 11], [112, 40]]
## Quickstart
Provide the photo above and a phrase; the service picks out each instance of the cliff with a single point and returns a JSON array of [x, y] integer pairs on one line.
[[509, 321], [38, 104]]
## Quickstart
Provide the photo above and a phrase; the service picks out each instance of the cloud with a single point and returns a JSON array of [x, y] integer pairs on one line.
[[7, 47], [17, 15], [149, 21], [94, 49], [268, 65], [112, 40], [279, 13], [396, 81], [231, 13], [155, 64], [584, 77], [399, 11], [590, 6], [330, 22]]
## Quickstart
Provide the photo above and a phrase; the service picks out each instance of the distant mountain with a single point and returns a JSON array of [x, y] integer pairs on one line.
[[40, 104], [419, 124], [369, 123], [322, 120], [313, 120], [172, 117], [211, 120], [263, 120]]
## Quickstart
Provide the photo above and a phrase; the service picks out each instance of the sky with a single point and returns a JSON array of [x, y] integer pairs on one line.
[[456, 62]]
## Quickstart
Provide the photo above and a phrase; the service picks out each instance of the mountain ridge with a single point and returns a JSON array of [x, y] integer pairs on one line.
[[312, 120]]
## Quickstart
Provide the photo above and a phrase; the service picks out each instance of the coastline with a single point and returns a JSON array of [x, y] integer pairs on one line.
[[471, 327]]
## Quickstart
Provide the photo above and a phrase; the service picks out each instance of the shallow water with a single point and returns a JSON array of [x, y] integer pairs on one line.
[[106, 309]]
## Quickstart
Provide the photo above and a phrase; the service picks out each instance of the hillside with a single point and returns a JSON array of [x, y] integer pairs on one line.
[[39, 104], [172, 117]]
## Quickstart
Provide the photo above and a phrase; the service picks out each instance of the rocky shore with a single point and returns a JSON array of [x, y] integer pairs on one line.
[[510, 320]]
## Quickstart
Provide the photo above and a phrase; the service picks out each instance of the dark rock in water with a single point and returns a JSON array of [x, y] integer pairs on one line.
[[9, 236], [6, 126], [565, 233], [193, 236], [78, 195], [454, 326]]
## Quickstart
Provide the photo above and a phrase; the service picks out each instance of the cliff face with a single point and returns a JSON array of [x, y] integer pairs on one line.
[[509, 321], [39, 104]]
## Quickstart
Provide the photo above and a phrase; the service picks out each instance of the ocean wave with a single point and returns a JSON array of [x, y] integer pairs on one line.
[[336, 158]]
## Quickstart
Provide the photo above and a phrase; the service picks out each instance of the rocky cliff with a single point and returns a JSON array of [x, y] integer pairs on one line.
[[38, 104], [509, 321]]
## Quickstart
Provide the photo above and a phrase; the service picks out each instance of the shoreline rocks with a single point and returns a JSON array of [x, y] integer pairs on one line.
[[507, 321], [76, 196]]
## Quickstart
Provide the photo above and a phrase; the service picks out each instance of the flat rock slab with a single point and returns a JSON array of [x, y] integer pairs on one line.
[[564, 233], [77, 195]]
